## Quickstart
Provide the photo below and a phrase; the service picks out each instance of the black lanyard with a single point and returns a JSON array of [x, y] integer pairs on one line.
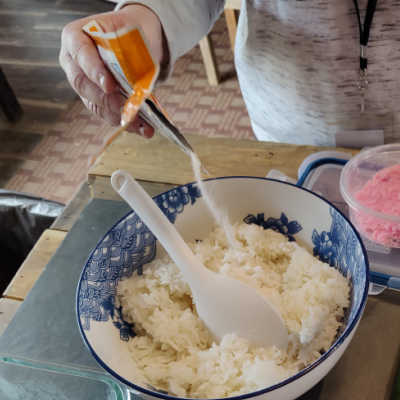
[[364, 30]]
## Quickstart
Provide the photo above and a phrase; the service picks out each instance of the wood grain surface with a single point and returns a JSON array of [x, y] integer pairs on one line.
[[34, 264], [8, 308], [220, 156]]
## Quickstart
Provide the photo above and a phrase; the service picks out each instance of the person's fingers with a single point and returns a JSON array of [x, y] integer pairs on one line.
[[113, 119], [106, 106], [76, 44], [109, 103], [78, 79], [86, 71], [138, 126]]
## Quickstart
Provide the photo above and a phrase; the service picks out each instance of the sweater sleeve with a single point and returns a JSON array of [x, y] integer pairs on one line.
[[184, 22]]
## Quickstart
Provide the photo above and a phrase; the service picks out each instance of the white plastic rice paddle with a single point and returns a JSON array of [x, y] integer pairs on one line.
[[224, 304]]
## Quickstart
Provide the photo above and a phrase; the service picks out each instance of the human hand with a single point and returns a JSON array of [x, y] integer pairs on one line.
[[88, 75]]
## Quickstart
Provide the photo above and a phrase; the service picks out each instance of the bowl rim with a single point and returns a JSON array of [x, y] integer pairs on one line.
[[353, 203], [344, 335]]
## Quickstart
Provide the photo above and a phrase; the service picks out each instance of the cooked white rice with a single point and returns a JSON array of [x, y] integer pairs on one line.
[[176, 353]]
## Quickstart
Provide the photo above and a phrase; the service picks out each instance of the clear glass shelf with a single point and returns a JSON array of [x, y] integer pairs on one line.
[[28, 379], [42, 354]]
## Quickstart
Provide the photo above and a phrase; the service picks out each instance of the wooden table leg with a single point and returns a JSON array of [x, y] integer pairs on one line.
[[231, 23], [8, 100], [207, 53]]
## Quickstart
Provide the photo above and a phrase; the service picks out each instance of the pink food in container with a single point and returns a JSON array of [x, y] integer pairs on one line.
[[370, 184], [382, 194]]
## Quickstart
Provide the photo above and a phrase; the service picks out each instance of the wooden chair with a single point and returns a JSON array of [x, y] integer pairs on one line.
[[207, 51]]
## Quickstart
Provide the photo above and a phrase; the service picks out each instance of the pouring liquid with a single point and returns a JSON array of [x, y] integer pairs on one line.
[[220, 215]]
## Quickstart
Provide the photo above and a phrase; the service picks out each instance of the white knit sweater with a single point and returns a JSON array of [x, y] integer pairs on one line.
[[298, 63]]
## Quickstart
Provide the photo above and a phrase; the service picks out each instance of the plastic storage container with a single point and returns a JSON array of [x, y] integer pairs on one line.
[[370, 185]]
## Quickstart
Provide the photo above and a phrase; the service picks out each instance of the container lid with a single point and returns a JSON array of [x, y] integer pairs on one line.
[[320, 173]]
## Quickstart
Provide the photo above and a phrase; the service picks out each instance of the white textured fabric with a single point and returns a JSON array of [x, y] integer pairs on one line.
[[298, 64]]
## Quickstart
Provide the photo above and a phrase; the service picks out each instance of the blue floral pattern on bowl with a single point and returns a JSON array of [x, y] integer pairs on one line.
[[126, 329], [341, 249], [173, 201], [125, 249], [281, 224]]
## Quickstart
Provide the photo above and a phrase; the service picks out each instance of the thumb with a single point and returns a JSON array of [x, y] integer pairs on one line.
[[142, 17]]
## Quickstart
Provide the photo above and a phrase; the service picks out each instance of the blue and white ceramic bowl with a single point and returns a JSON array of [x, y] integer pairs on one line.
[[129, 245]]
